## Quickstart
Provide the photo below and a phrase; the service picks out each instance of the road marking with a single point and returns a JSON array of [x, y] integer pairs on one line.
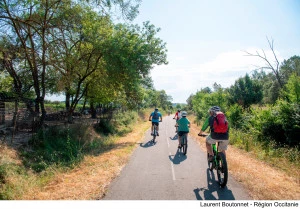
[[172, 167], [168, 142]]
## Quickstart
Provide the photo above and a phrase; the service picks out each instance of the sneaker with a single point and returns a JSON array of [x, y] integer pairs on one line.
[[157, 134]]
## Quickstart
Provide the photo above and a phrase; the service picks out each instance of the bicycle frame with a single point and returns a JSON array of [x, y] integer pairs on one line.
[[184, 143], [220, 165]]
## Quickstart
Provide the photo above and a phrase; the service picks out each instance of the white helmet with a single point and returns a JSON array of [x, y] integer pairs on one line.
[[214, 109], [184, 114]]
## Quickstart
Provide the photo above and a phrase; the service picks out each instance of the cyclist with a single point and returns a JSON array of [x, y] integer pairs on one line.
[[213, 137], [183, 126], [154, 117], [177, 115]]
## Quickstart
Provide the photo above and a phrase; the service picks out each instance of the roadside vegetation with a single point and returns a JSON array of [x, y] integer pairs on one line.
[[74, 48], [60, 150]]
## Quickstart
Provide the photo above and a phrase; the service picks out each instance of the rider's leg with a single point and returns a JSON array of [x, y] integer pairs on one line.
[[156, 128], [223, 144], [179, 139], [152, 128], [209, 142], [209, 149]]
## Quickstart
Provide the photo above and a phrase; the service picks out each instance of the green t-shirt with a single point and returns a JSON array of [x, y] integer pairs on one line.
[[183, 124]]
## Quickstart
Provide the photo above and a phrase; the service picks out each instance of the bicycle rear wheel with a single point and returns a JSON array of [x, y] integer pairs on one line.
[[209, 163], [154, 134], [184, 144], [222, 169]]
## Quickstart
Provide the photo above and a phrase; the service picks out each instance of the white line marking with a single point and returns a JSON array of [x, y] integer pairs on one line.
[[168, 142], [172, 167]]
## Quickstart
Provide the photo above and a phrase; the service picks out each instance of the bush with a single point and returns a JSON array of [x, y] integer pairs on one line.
[[235, 116], [279, 123], [120, 123], [55, 145]]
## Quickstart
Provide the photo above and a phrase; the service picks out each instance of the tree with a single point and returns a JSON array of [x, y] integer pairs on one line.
[[290, 67], [245, 92], [273, 67], [36, 28], [292, 89]]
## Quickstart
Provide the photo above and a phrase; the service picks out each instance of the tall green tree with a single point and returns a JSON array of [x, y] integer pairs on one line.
[[292, 89], [245, 92]]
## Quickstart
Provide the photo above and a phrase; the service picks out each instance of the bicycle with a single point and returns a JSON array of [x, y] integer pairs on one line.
[[219, 163], [183, 144], [176, 127], [154, 134]]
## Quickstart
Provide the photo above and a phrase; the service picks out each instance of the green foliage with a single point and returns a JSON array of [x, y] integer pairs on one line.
[[279, 123], [290, 67], [55, 145], [120, 124], [204, 99], [245, 92], [268, 126], [235, 116], [289, 117], [292, 89]]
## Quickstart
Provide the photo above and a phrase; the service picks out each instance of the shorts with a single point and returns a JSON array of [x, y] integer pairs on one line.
[[222, 143], [155, 123], [180, 133]]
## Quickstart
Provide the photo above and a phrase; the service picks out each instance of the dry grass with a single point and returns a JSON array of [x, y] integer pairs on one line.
[[261, 180], [89, 181]]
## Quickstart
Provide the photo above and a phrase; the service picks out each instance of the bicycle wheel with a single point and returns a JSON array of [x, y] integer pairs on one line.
[[222, 170], [209, 163], [184, 144], [154, 134]]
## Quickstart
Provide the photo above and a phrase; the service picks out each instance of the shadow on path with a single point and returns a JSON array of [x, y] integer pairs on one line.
[[178, 157], [212, 188]]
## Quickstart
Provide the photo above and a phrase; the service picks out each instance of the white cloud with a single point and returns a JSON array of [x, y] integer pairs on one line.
[[181, 82]]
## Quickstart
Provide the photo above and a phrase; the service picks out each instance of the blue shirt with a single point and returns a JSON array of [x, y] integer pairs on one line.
[[158, 116]]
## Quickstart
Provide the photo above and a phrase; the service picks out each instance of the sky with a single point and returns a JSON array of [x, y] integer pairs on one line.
[[207, 40]]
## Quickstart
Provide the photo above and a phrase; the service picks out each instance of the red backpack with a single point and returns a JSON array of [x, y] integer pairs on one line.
[[220, 123]]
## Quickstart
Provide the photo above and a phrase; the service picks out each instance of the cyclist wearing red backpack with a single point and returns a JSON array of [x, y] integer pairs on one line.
[[218, 130]]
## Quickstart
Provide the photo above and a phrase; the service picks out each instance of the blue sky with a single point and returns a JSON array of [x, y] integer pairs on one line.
[[206, 39]]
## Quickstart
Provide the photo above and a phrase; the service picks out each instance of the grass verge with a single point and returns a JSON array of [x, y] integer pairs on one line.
[[259, 176]]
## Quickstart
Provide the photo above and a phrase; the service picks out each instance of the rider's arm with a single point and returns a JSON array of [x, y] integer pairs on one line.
[[205, 125]]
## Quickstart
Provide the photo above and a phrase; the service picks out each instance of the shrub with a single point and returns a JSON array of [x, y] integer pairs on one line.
[[56, 145], [235, 116]]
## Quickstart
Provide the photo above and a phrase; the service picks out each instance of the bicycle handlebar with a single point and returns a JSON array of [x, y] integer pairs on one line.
[[203, 135]]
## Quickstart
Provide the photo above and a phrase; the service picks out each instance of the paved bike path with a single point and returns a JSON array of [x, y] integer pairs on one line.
[[160, 172]]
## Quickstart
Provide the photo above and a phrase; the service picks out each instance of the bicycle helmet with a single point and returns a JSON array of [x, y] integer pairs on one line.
[[156, 109], [184, 114], [214, 109]]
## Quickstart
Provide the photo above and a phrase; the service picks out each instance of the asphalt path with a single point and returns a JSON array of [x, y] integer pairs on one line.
[[160, 172]]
